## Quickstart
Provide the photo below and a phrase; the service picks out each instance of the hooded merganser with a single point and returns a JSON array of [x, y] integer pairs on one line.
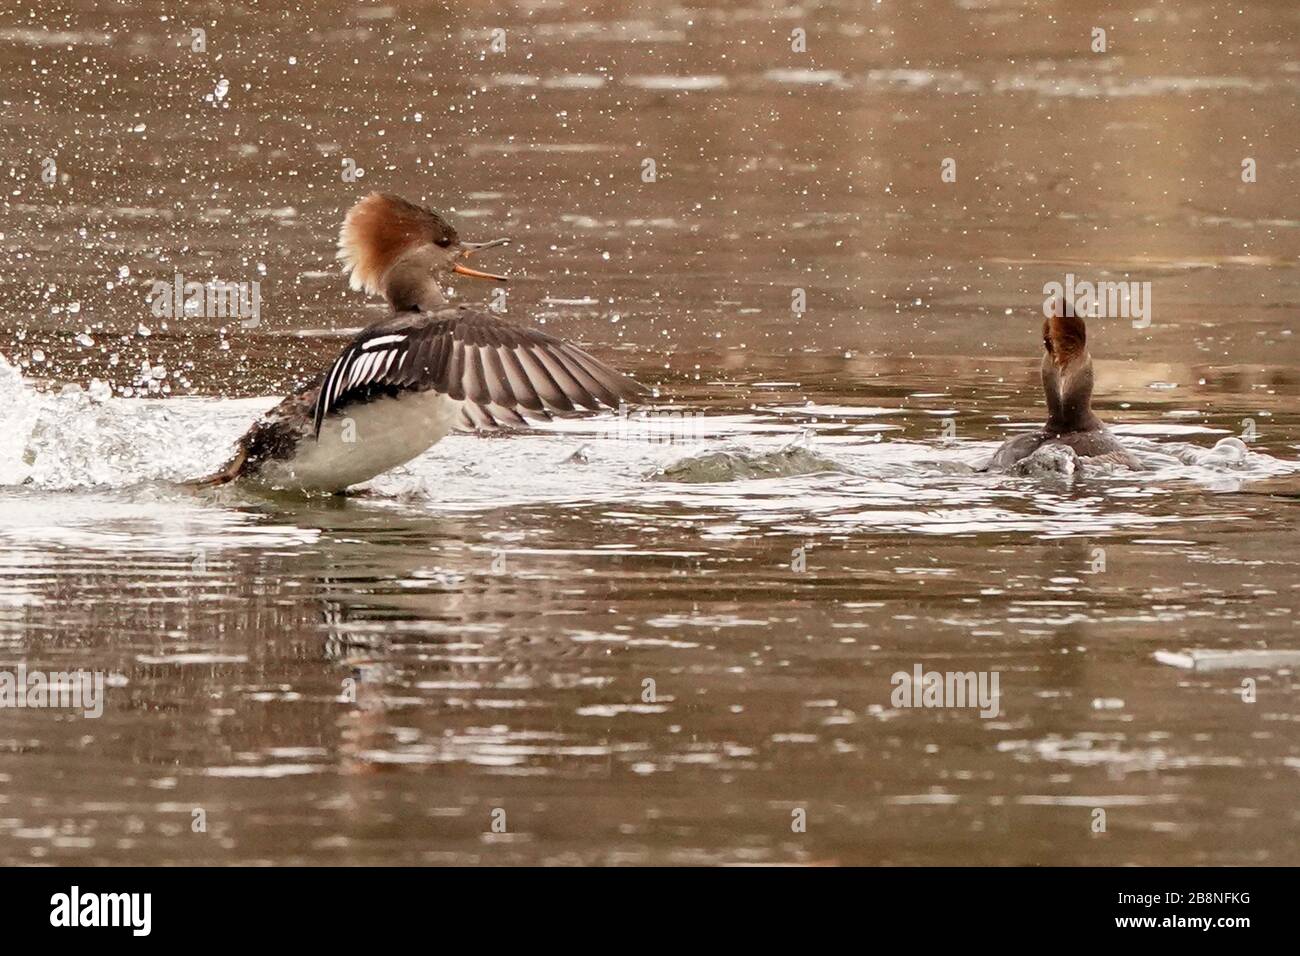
[[1067, 386], [407, 380]]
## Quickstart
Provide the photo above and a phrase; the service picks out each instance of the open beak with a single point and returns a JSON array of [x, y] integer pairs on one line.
[[470, 248]]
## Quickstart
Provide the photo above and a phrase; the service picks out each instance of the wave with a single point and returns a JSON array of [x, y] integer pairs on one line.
[[87, 439], [741, 464]]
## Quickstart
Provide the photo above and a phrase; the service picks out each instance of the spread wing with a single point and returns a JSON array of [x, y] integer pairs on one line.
[[500, 371]]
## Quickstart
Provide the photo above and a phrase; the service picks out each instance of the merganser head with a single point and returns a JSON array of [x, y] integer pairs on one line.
[[1064, 335], [1067, 371], [405, 252]]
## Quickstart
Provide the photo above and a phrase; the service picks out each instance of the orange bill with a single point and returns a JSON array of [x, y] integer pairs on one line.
[[465, 270]]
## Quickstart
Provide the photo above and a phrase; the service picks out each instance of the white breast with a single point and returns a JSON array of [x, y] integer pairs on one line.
[[365, 440]]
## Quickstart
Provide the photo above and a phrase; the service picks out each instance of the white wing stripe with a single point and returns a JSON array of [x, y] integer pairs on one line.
[[375, 367], [328, 393], [353, 369], [367, 367], [382, 340], [339, 383], [358, 367], [363, 368]]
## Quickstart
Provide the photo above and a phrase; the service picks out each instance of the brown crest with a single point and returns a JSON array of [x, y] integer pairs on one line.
[[1064, 335], [378, 229]]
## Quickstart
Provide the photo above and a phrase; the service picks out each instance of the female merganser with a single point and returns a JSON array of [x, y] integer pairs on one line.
[[407, 380], [1067, 385]]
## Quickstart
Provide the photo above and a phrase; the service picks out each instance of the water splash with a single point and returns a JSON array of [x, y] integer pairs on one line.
[[84, 439], [761, 470]]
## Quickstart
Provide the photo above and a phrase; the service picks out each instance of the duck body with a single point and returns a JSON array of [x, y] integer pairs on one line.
[[1100, 444], [405, 382], [352, 447], [1067, 378]]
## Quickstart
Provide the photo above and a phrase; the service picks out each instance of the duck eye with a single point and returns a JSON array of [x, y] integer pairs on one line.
[[444, 242]]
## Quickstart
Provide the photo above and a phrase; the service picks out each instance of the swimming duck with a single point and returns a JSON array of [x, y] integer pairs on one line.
[[404, 382], [1067, 386]]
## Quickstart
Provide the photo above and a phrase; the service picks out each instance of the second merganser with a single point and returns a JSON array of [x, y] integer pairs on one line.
[[407, 380], [1067, 386]]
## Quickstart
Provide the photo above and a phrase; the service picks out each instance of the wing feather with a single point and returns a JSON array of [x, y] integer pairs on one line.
[[500, 371], [589, 381], [520, 387], [498, 382], [455, 377], [572, 389], [548, 389], [476, 389]]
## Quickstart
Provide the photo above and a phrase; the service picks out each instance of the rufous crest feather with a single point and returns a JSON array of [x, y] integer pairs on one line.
[[378, 229], [1065, 336]]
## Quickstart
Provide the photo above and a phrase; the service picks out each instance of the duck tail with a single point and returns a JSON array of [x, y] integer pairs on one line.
[[225, 474]]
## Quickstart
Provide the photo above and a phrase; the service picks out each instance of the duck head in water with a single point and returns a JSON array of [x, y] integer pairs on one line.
[[405, 252], [1067, 372]]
